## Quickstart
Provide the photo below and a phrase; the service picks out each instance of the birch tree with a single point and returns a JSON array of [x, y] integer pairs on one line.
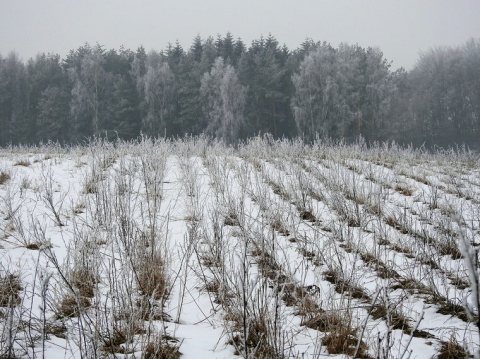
[[159, 91], [315, 90], [90, 83], [223, 101]]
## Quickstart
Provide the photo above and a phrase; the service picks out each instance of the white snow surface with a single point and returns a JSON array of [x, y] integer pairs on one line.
[[270, 250]]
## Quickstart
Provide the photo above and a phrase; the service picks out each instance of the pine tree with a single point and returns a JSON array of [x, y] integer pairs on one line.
[[47, 93], [269, 82], [13, 101]]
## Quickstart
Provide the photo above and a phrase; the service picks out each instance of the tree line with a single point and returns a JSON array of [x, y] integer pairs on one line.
[[224, 89]]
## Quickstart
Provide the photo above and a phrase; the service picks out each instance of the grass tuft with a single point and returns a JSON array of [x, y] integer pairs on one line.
[[452, 350], [280, 228], [231, 220], [161, 348], [403, 189], [84, 280], [4, 177], [308, 216], [23, 163], [10, 285], [72, 307], [151, 277]]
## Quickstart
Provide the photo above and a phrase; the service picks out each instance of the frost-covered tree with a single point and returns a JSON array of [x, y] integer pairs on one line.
[[446, 94], [263, 69], [48, 95], [90, 87], [53, 114], [13, 100], [315, 92], [342, 93], [159, 90], [121, 115], [223, 101], [379, 89]]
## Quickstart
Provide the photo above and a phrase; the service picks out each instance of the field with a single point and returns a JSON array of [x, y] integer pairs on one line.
[[274, 249]]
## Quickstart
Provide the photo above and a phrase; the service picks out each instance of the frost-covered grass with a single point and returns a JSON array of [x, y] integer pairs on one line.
[[163, 249]]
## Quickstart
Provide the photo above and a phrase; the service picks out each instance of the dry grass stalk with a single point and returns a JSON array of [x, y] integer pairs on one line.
[[4, 177], [57, 328], [71, 306], [231, 220], [280, 228], [123, 331], [307, 216], [161, 347], [151, 277], [404, 190], [84, 280], [10, 285], [452, 350], [318, 319], [341, 337], [394, 318], [342, 285], [23, 163], [257, 335]]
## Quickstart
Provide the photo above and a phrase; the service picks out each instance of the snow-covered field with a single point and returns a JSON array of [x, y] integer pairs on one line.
[[165, 249]]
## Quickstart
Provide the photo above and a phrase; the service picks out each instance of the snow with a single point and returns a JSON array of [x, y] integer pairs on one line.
[[207, 212]]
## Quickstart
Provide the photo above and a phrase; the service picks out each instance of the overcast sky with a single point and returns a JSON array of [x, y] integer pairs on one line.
[[400, 28]]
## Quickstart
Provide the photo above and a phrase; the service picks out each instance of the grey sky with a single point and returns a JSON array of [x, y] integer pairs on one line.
[[401, 28]]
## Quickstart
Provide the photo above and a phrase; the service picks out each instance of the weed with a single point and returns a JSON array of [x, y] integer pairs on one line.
[[279, 227], [150, 274], [404, 189], [316, 196], [451, 248], [25, 184], [33, 246], [446, 307], [212, 286], [460, 283], [23, 163], [4, 177], [161, 348], [395, 223], [79, 208], [340, 337], [421, 179], [393, 317], [113, 341], [341, 285], [90, 187], [399, 249], [307, 216], [231, 220], [353, 222], [210, 261], [256, 340], [84, 280], [384, 242], [10, 286], [309, 255], [56, 328], [452, 350], [342, 341], [323, 321], [71, 306], [148, 310]]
